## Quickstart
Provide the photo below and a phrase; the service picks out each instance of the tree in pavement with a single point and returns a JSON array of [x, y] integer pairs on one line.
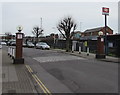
[[37, 32], [67, 27]]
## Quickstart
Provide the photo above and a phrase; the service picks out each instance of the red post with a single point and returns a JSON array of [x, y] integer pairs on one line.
[[19, 51], [100, 48]]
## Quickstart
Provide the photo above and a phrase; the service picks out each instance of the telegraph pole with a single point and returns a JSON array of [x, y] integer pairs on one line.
[[41, 22]]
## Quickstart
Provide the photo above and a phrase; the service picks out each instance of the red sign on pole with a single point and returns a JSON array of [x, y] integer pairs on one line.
[[105, 11]]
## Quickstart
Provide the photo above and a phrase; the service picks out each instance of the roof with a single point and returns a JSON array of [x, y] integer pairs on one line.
[[75, 32], [94, 29]]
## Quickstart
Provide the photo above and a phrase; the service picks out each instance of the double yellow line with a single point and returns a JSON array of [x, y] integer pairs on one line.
[[39, 82]]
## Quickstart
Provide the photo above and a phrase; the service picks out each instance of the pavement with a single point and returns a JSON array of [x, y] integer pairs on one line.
[[15, 78], [90, 56]]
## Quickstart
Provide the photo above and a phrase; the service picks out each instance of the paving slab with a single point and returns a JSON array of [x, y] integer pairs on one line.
[[15, 78]]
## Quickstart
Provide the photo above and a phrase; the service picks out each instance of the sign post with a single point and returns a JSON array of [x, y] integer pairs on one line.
[[19, 52], [105, 11]]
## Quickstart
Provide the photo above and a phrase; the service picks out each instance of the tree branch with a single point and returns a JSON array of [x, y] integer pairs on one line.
[[62, 34], [66, 25]]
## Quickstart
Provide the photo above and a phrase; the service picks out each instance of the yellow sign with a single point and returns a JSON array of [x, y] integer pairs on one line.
[[85, 43]]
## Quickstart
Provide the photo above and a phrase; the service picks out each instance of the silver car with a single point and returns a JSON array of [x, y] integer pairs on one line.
[[3, 43], [31, 45], [42, 45]]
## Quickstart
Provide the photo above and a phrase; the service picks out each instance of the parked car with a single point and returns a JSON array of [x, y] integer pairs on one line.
[[24, 44], [13, 43], [8, 43], [3, 43], [31, 45], [42, 45]]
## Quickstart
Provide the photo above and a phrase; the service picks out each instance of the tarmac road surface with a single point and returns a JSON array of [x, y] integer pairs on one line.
[[64, 73]]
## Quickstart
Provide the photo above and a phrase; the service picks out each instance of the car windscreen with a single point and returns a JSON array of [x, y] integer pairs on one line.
[[42, 43]]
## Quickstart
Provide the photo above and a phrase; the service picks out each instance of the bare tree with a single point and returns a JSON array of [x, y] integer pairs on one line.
[[37, 32], [67, 27]]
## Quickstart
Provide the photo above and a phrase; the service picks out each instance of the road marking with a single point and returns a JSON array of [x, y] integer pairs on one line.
[[29, 69], [39, 82], [57, 58]]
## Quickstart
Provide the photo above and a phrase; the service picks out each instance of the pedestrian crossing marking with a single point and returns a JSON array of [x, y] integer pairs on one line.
[[57, 58]]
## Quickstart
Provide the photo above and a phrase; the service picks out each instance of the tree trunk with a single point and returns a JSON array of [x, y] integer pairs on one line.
[[68, 45]]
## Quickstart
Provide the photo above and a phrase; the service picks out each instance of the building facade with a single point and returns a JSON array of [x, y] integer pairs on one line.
[[95, 31]]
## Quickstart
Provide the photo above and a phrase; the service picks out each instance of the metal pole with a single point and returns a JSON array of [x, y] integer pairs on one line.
[[54, 38], [41, 22], [105, 35], [54, 42]]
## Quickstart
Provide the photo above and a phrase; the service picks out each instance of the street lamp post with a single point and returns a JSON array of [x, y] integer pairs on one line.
[[100, 46], [19, 28], [54, 37], [19, 51]]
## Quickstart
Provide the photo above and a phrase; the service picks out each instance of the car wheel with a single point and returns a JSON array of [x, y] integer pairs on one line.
[[41, 47]]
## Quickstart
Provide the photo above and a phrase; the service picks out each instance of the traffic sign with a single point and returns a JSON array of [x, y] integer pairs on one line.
[[105, 11]]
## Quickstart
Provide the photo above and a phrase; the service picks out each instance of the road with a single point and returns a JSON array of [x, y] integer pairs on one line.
[[64, 73]]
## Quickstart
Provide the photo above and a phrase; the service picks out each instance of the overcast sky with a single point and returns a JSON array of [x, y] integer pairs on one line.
[[87, 15]]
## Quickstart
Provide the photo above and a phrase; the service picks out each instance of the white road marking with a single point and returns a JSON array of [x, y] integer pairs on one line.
[[57, 58]]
